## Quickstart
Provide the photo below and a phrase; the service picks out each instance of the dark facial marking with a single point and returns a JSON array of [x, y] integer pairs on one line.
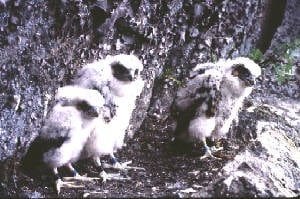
[[210, 112], [87, 108], [243, 73], [120, 72]]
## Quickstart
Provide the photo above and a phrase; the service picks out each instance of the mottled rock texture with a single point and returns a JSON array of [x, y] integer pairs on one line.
[[43, 44]]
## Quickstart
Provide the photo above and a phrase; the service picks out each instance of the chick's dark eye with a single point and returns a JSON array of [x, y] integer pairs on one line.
[[82, 106], [136, 72], [119, 68], [235, 73]]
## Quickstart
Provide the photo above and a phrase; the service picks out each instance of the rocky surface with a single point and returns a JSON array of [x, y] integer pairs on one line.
[[44, 43], [269, 164]]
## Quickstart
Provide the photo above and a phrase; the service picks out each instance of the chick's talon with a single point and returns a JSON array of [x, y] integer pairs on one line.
[[208, 154], [59, 184], [104, 176], [122, 166], [216, 149]]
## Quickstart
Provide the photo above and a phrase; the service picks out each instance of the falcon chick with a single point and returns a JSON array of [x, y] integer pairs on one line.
[[118, 79], [65, 131], [211, 99]]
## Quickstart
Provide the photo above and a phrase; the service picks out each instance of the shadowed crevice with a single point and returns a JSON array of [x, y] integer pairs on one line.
[[272, 19]]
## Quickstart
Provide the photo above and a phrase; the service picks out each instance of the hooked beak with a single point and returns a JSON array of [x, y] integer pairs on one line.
[[130, 78], [93, 112], [249, 81], [134, 78], [135, 74]]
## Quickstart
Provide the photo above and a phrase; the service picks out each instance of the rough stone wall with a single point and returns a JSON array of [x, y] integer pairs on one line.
[[289, 29], [43, 44]]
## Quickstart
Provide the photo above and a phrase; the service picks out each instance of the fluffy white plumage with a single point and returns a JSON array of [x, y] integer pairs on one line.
[[66, 129], [100, 75], [3, 2], [212, 97], [73, 117], [118, 79]]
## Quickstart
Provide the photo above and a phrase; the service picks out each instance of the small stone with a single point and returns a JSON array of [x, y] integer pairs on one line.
[[15, 102], [194, 32], [33, 116], [194, 172], [196, 186], [106, 47], [118, 44], [208, 41], [198, 10], [188, 190]]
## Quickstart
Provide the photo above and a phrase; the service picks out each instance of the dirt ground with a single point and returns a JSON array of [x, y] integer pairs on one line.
[[168, 171]]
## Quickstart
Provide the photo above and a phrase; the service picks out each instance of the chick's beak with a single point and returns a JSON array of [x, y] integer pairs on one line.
[[135, 74], [93, 112], [249, 81], [130, 78]]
